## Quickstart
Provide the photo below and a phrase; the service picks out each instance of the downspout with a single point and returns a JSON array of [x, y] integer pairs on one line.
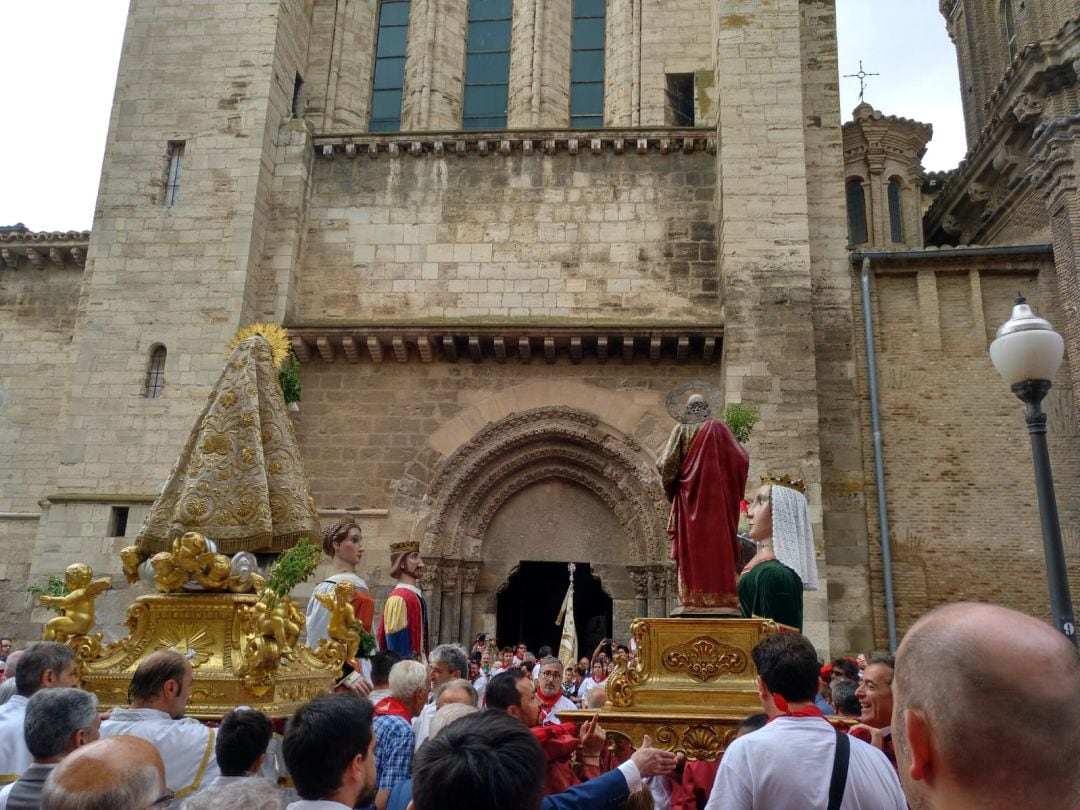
[[879, 463]]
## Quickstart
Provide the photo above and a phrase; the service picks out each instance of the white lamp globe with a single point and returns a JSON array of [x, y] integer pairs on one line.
[[1026, 347]]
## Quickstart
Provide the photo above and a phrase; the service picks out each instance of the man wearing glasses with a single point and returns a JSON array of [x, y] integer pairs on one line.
[[549, 690]]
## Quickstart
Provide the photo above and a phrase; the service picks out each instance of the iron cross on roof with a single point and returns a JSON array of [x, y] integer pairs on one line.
[[861, 76]]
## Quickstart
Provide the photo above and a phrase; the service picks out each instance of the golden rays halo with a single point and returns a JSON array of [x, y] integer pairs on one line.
[[274, 333]]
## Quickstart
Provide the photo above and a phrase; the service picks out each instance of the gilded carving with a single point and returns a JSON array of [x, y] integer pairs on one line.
[[704, 659]]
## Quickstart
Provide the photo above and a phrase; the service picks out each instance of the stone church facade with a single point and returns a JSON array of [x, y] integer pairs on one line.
[[500, 233]]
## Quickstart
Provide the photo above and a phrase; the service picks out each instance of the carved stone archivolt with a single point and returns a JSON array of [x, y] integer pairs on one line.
[[704, 659], [530, 446]]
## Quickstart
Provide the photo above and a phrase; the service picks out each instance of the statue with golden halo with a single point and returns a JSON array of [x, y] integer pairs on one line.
[[238, 487]]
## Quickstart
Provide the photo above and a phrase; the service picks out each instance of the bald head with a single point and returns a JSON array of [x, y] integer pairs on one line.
[[996, 695], [116, 773]]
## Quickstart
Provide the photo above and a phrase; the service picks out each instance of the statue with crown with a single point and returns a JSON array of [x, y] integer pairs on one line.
[[237, 489]]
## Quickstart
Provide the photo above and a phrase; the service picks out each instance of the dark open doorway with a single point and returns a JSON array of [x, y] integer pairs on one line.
[[527, 606]]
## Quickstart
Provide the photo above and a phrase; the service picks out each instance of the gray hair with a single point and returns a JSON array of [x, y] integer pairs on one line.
[[52, 718], [37, 660], [11, 666], [453, 655], [596, 698], [447, 715], [458, 683], [142, 786], [551, 659], [250, 793], [407, 678]]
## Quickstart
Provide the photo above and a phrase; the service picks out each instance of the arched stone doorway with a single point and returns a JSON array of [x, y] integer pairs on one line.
[[548, 484]]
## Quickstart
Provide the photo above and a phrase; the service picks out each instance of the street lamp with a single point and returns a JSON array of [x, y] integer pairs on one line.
[[1027, 353]]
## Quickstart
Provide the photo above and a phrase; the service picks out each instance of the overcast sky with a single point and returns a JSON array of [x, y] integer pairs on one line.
[[61, 58]]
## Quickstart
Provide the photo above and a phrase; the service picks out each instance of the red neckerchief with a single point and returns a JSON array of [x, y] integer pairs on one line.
[[748, 566], [547, 704], [390, 705], [782, 705]]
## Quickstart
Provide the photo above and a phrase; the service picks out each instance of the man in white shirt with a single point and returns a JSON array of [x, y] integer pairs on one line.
[[159, 693], [549, 691], [448, 663], [789, 764], [44, 665], [987, 711], [329, 751]]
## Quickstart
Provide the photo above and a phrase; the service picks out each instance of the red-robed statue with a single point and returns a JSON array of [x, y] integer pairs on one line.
[[704, 472]]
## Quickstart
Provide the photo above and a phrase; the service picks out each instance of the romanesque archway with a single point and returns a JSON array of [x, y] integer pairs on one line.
[[505, 465]]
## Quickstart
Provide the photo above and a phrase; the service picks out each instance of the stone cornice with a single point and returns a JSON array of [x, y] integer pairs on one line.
[[524, 343], [22, 249], [506, 142]]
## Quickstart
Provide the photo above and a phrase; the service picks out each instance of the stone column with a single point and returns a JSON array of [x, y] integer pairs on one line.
[[451, 601], [435, 65], [639, 578], [672, 590], [431, 585], [540, 65], [657, 589], [470, 570], [622, 64], [337, 85], [1055, 170]]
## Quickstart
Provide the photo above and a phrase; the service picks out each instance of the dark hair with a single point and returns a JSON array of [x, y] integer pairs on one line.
[[754, 722], [336, 533], [844, 700], [486, 761], [848, 668], [885, 660], [381, 663], [502, 691], [37, 660], [544, 652], [322, 738], [151, 675], [787, 663], [243, 736]]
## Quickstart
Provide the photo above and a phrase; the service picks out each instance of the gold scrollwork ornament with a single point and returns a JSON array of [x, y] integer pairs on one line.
[[704, 659]]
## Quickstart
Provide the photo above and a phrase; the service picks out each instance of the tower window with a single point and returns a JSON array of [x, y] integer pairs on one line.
[[680, 99], [856, 212], [118, 521], [896, 219], [175, 153], [298, 86], [487, 64], [587, 65], [155, 374], [389, 80]]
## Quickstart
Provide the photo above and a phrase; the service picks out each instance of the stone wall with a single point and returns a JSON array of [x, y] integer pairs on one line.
[[607, 237], [963, 514]]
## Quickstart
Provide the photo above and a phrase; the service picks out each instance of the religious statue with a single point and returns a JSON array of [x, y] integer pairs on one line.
[[193, 565], [341, 626], [404, 624], [77, 605], [704, 468], [772, 582]]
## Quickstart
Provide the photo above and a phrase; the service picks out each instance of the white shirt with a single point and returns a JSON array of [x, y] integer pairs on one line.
[[421, 724], [587, 684], [788, 765], [15, 757], [317, 804], [562, 704], [186, 745]]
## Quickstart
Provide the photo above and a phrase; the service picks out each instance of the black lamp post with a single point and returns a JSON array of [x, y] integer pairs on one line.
[[1027, 353]]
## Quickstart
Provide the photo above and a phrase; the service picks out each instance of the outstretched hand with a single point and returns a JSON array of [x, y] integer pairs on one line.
[[653, 761], [592, 737]]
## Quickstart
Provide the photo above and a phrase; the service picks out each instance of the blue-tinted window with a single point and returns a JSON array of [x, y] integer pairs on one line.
[[487, 64], [896, 219], [587, 64], [856, 212], [389, 79]]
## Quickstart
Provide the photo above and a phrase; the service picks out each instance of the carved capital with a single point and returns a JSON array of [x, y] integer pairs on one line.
[[450, 574], [470, 570], [639, 578], [431, 573]]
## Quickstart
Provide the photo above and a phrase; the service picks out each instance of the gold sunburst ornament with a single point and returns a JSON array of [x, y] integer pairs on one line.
[[274, 333]]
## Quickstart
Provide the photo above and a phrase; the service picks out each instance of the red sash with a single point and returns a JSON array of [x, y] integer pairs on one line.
[[393, 706], [782, 705]]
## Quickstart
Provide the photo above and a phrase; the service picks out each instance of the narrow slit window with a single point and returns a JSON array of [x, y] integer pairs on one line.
[[155, 374], [298, 86], [856, 212], [389, 79], [175, 154], [680, 99], [118, 521], [487, 64], [587, 64], [896, 218]]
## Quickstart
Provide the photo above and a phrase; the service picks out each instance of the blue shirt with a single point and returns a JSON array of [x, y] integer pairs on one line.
[[394, 744]]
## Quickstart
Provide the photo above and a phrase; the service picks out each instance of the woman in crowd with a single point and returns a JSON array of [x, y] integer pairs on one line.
[[772, 583]]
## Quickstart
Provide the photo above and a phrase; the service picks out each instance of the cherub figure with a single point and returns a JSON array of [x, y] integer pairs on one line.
[[77, 604], [281, 621], [168, 576], [191, 554], [216, 574], [343, 621]]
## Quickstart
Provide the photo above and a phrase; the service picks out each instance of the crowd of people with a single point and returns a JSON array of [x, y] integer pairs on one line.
[[979, 708]]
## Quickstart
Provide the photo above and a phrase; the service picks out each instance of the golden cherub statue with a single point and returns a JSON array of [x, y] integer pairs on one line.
[[77, 605], [278, 618], [343, 621]]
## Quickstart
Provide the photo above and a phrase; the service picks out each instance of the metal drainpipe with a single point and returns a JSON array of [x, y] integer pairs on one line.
[[879, 464]]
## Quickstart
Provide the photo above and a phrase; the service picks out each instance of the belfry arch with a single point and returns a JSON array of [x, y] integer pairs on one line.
[[538, 459]]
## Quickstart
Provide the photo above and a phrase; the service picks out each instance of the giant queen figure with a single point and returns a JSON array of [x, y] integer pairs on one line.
[[704, 470]]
